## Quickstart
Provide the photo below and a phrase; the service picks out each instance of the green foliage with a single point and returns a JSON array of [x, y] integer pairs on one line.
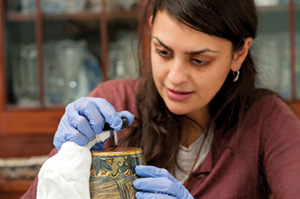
[[99, 165]]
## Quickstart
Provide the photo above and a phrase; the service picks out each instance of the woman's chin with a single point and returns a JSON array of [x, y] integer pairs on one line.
[[177, 110]]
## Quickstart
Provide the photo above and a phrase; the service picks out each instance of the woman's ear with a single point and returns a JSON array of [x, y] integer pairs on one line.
[[151, 21], [240, 56]]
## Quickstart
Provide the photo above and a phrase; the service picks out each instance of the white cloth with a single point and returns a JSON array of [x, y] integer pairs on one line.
[[66, 175], [187, 155]]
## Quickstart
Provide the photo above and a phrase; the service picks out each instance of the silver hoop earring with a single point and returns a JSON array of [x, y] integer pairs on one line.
[[237, 76]]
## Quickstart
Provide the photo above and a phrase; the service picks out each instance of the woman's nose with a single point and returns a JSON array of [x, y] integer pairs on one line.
[[177, 72]]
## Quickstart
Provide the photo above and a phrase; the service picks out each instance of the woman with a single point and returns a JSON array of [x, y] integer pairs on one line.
[[198, 112]]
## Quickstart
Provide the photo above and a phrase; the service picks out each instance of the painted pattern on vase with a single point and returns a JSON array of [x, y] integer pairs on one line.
[[113, 173]]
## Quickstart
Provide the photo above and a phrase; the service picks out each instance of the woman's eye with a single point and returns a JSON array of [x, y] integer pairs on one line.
[[199, 62], [163, 53]]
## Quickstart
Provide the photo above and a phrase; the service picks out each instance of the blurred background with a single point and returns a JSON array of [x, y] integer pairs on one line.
[[53, 52]]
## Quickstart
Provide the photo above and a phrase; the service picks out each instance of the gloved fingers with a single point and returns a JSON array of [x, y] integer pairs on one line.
[[88, 108], [128, 115], [98, 111], [97, 146], [157, 185], [108, 112], [82, 124], [72, 134], [147, 195], [79, 139], [152, 171], [86, 117]]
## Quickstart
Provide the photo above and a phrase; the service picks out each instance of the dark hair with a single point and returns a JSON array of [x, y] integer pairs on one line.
[[159, 131]]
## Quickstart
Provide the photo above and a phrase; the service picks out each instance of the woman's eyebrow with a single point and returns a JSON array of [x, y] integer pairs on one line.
[[162, 44], [201, 51], [191, 52]]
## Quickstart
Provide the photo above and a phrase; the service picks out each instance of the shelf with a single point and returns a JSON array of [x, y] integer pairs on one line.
[[13, 16], [84, 15], [10, 189], [75, 16], [17, 16], [16, 108], [121, 15], [276, 8], [40, 121]]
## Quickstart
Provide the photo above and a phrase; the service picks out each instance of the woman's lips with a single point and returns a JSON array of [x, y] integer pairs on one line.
[[178, 95]]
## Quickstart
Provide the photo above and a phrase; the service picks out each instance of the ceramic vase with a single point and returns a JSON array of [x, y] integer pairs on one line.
[[113, 172]]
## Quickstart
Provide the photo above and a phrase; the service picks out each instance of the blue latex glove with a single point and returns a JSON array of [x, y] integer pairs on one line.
[[84, 118], [158, 184]]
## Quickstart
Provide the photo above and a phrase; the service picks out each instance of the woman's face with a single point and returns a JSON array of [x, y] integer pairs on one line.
[[189, 67]]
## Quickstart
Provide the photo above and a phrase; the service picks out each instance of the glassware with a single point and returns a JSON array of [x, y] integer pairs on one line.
[[122, 57], [267, 2], [52, 6], [297, 39], [119, 5], [24, 77], [297, 45], [21, 64], [271, 54], [271, 51], [70, 72]]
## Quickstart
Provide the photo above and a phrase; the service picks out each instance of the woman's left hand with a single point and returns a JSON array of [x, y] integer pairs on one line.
[[158, 183]]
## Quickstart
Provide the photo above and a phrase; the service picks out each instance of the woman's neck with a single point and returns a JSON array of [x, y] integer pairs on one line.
[[189, 138], [192, 131]]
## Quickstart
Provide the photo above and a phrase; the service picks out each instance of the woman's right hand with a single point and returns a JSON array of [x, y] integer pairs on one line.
[[85, 117]]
